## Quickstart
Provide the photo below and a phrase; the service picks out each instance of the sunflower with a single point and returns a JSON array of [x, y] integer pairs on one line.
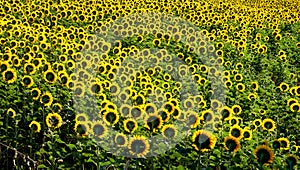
[[95, 88], [29, 68], [81, 128], [247, 133], [238, 77], [284, 87], [153, 122], [203, 140], [46, 99], [240, 87], [264, 154], [110, 117], [284, 143], [35, 126], [192, 118], [150, 108], [295, 107], [54, 120], [231, 144], [11, 113], [169, 131], [276, 144], [207, 116], [268, 124], [35, 92], [121, 140], [254, 86], [79, 91], [291, 161], [138, 146], [291, 101], [136, 112], [9, 75], [257, 122], [236, 131], [50, 76], [98, 129], [236, 109], [164, 114], [130, 125], [81, 117], [226, 113]]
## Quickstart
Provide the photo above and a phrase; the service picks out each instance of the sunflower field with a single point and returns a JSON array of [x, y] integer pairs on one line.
[[149, 84]]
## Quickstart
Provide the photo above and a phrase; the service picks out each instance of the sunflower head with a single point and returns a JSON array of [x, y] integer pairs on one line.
[[153, 122], [138, 146], [264, 154], [130, 125], [203, 140], [236, 131], [98, 129], [268, 124], [291, 161], [82, 128], [232, 144], [35, 126], [169, 131], [121, 140], [54, 120], [11, 113]]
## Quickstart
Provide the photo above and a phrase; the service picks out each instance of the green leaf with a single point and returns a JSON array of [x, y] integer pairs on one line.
[[180, 167], [42, 166]]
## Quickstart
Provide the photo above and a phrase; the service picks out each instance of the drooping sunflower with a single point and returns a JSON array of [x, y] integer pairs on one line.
[[130, 125], [121, 140], [203, 140], [268, 124], [11, 113], [54, 120], [35, 126], [35, 92], [236, 131], [291, 161], [82, 128], [153, 122], [169, 131], [284, 143], [231, 144], [46, 99], [9, 75], [138, 146], [264, 154], [98, 129], [111, 117], [50, 76]]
